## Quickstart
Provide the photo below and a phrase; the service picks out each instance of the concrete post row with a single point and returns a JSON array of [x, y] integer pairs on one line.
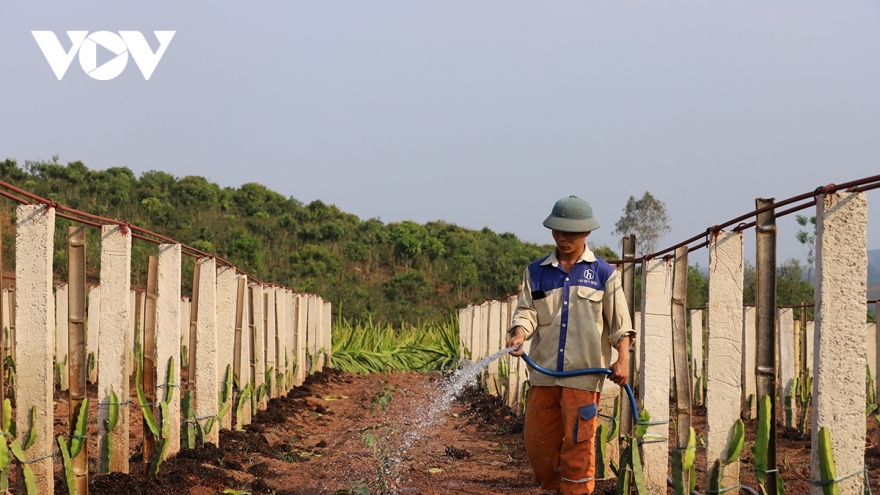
[[35, 331], [656, 354], [724, 348], [168, 325], [839, 345]]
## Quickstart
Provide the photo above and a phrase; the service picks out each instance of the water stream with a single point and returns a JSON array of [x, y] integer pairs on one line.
[[434, 414]]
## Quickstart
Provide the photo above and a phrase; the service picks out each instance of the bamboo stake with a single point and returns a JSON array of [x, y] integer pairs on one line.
[[149, 356], [765, 324], [683, 387], [76, 346], [193, 327]]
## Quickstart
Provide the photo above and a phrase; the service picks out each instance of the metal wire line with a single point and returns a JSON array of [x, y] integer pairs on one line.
[[810, 198], [98, 221]]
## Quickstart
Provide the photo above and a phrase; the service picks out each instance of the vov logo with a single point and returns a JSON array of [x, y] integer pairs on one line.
[[86, 45]]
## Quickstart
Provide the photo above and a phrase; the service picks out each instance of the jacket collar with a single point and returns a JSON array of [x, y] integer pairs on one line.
[[587, 256]]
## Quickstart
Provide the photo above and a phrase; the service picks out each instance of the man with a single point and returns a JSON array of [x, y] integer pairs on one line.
[[573, 310]]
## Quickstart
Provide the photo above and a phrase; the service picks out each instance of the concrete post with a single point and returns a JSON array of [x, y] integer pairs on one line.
[[207, 376], [637, 327], [328, 334], [476, 325], [464, 322], [61, 335], [133, 330], [259, 339], [168, 324], [724, 348], [302, 330], [876, 331], [787, 358], [512, 362], [34, 246], [749, 397], [269, 330], [798, 347], [503, 323], [841, 290], [313, 332], [283, 361], [245, 357], [654, 373], [871, 335], [319, 333], [484, 329], [226, 302], [92, 326], [185, 317], [286, 338], [493, 337], [114, 339], [696, 322], [5, 302], [293, 338], [811, 344]]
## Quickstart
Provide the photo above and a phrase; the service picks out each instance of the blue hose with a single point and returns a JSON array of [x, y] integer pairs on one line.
[[585, 371]]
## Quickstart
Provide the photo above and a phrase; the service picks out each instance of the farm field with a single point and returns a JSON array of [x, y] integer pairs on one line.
[[334, 434]]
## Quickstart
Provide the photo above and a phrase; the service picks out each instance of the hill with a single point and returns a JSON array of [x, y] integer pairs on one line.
[[401, 271]]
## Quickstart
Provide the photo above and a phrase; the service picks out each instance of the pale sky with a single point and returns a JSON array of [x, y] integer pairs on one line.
[[479, 113]]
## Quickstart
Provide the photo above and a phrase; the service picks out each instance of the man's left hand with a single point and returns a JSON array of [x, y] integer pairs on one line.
[[620, 368]]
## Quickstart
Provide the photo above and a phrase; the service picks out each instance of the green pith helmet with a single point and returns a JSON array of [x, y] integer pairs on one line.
[[571, 214]]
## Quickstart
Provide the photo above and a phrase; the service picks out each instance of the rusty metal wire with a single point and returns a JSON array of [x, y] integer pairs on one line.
[[28, 198], [800, 202]]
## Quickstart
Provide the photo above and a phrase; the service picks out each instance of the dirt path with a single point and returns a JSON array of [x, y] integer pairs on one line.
[[349, 434], [344, 433]]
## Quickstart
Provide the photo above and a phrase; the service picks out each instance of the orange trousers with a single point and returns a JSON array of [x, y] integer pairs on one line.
[[560, 427]]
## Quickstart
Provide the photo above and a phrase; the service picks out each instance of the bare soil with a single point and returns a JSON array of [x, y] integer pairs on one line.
[[342, 433]]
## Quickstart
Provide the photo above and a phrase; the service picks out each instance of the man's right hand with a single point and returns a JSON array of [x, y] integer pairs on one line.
[[516, 340]]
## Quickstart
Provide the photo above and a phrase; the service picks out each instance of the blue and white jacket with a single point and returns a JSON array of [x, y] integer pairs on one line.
[[572, 320]]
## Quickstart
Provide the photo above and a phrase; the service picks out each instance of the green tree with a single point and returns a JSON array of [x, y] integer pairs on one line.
[[647, 219], [808, 240]]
